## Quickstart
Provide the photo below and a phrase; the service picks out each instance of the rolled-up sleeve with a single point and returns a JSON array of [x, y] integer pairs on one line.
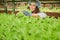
[[26, 13]]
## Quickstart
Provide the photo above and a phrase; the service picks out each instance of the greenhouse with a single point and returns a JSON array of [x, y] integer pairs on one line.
[[29, 19], [7, 5]]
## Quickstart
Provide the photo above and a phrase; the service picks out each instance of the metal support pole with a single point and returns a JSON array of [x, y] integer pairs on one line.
[[13, 1], [5, 4]]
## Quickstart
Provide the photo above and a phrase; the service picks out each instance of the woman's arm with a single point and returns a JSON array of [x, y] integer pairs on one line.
[[35, 15], [26, 13]]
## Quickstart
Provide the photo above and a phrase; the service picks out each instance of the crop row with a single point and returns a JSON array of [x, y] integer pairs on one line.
[[20, 27]]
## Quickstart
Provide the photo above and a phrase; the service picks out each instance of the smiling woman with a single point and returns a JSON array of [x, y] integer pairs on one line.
[[34, 7]]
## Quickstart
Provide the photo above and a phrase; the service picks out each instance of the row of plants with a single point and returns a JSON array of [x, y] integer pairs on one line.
[[20, 27], [46, 9], [42, 9]]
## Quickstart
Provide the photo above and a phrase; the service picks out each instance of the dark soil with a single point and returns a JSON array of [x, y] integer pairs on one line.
[[3, 11], [55, 14]]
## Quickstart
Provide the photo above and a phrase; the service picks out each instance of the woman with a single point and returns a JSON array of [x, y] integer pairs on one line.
[[34, 7]]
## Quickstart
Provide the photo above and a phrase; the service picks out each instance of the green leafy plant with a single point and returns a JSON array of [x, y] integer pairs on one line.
[[20, 27]]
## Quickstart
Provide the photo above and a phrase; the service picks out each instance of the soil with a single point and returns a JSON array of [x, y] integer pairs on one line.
[[55, 14], [2, 11]]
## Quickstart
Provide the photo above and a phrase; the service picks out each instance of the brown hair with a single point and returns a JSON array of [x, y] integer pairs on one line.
[[36, 10]]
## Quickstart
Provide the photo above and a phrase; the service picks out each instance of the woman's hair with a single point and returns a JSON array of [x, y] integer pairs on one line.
[[36, 10]]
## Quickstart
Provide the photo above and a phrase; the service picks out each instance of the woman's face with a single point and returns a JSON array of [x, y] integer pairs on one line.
[[32, 7]]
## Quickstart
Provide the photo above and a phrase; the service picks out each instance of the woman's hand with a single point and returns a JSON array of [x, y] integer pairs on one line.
[[35, 15]]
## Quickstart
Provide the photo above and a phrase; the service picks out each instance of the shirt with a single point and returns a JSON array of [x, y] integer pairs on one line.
[[42, 15]]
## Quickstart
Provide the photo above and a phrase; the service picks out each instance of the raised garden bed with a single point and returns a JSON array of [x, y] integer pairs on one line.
[[3, 11], [55, 14]]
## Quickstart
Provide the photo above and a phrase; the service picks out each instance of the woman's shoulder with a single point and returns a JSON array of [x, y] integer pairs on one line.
[[42, 14]]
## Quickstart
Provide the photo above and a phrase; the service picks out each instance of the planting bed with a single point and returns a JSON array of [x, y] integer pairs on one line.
[[55, 14], [3, 11], [20, 27]]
